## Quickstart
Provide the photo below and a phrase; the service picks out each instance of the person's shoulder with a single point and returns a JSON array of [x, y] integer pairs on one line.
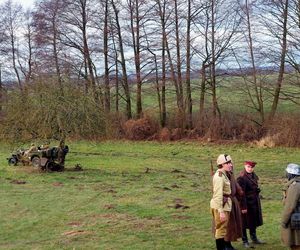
[[294, 186], [296, 183], [219, 174]]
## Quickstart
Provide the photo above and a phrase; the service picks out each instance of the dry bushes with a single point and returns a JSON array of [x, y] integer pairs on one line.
[[228, 128], [141, 129], [164, 134], [284, 131]]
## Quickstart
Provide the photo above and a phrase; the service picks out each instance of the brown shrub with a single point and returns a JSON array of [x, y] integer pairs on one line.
[[164, 135], [140, 129], [285, 131], [252, 131], [228, 128], [176, 134], [266, 142], [193, 133]]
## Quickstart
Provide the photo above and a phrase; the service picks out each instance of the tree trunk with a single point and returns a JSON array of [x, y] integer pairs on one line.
[[162, 13], [86, 51], [188, 69], [213, 64], [179, 77], [106, 67], [135, 32], [257, 87], [282, 62], [123, 64]]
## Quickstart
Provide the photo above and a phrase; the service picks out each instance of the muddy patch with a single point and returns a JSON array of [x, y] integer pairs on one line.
[[57, 184], [73, 233], [17, 182]]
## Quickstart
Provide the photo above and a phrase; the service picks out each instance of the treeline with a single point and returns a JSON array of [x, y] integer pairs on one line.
[[82, 65]]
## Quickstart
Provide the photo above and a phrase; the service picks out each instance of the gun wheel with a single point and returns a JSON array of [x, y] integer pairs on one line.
[[36, 162]]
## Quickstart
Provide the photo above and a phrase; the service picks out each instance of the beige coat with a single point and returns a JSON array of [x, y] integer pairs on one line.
[[221, 187], [290, 237]]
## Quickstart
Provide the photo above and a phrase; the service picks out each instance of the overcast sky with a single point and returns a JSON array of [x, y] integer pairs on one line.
[[25, 3]]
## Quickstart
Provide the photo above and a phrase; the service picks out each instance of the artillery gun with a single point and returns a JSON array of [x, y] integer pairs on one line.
[[45, 158]]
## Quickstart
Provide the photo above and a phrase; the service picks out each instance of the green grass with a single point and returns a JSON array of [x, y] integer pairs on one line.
[[125, 197]]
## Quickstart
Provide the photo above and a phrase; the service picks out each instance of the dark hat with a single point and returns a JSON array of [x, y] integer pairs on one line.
[[251, 163]]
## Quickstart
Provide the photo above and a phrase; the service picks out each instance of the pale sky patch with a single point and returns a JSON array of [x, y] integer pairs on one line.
[[25, 3]]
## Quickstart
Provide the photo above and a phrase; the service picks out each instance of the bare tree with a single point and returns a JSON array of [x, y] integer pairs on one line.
[[179, 65], [122, 61], [105, 51], [11, 24], [134, 10], [218, 23], [48, 25], [188, 65], [77, 17], [285, 5], [161, 9], [278, 29]]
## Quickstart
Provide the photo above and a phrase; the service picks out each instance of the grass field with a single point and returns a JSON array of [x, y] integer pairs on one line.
[[130, 195], [231, 95]]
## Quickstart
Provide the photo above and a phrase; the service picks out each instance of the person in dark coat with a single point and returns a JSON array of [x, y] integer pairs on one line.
[[234, 227], [250, 203], [290, 234]]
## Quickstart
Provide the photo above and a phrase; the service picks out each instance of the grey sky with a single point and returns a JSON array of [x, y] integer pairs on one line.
[[25, 3]]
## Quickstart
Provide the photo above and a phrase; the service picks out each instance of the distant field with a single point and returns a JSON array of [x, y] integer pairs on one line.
[[130, 195], [230, 93]]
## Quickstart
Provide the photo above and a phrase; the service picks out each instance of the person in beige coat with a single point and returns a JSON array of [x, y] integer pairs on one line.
[[221, 203], [290, 229]]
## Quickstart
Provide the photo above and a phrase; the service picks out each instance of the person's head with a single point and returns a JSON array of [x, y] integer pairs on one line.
[[249, 166], [292, 170], [224, 161]]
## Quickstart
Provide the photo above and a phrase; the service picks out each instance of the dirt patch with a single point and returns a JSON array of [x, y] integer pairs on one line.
[[18, 182], [147, 170], [57, 184], [176, 171], [75, 224], [75, 233], [181, 217], [72, 177], [112, 191], [178, 203], [178, 200], [109, 206]]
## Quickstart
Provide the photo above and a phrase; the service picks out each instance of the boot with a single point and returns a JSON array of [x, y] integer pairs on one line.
[[228, 246], [220, 243], [254, 238], [245, 239], [247, 245]]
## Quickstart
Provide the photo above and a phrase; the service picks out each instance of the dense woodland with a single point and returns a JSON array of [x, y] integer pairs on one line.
[[84, 67]]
